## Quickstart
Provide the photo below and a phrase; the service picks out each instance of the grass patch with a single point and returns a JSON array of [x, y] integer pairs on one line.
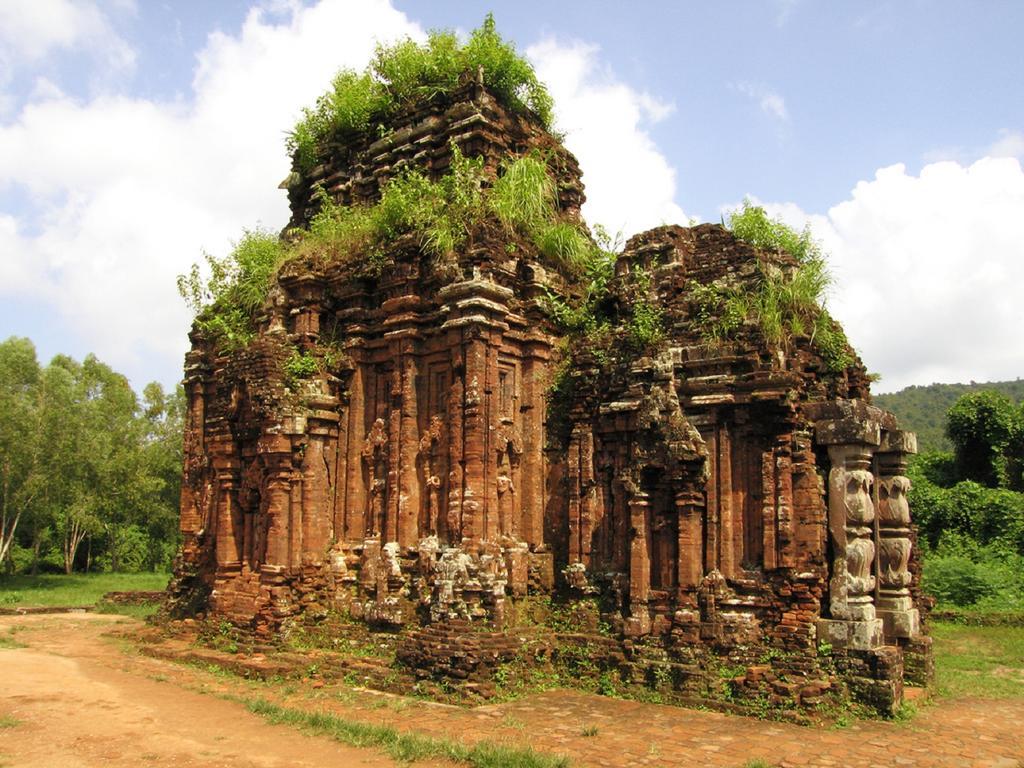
[[6, 721], [78, 589], [979, 661], [404, 747], [9, 640], [143, 611]]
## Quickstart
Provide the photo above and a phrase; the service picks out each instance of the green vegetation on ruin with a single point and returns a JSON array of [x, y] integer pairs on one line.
[[402, 74], [786, 304], [225, 303], [439, 216]]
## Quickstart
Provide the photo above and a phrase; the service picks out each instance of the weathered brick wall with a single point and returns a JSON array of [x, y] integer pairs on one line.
[[737, 504]]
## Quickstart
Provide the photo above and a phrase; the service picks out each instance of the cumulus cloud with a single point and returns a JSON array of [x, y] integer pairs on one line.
[[32, 30], [126, 193], [769, 101], [634, 187], [108, 220], [928, 270]]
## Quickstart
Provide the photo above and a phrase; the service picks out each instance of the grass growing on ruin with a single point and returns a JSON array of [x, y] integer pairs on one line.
[[784, 305], [978, 661], [77, 589], [226, 302], [404, 747], [359, 104], [438, 216]]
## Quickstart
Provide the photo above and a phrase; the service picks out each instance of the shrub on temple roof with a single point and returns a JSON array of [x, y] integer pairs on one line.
[[438, 213], [786, 304], [225, 304], [406, 72], [440, 216]]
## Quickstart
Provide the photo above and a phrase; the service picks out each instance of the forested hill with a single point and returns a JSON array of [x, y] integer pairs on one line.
[[923, 409]]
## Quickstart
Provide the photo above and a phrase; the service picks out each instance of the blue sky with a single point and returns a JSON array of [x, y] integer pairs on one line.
[[134, 135]]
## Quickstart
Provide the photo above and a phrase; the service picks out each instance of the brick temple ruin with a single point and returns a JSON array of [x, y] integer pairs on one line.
[[738, 502]]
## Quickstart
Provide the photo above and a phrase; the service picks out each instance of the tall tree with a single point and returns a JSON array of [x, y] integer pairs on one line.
[[986, 431], [19, 477]]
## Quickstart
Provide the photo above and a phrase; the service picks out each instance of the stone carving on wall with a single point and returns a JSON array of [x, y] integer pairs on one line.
[[896, 606], [431, 451], [860, 546], [375, 456]]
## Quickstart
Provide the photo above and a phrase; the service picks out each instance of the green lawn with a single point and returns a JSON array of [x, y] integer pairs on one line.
[[979, 661], [77, 589]]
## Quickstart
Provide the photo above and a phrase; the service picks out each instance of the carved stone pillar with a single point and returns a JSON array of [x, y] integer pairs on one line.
[[430, 447], [408, 501], [475, 439], [689, 508], [574, 493], [229, 524], [639, 622], [895, 605], [851, 525]]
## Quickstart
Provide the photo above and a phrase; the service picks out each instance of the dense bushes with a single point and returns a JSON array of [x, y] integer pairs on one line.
[[407, 71], [971, 524]]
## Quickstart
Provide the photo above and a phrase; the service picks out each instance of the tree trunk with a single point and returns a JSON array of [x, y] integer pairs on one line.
[[7, 527], [72, 541]]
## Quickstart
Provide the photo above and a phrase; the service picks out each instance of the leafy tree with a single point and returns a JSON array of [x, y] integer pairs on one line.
[[922, 409], [19, 470], [82, 462], [986, 431]]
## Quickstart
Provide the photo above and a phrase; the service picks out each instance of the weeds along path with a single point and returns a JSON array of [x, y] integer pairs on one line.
[[71, 697]]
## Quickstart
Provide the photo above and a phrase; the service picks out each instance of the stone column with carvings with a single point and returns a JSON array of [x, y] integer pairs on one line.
[[851, 524], [690, 508], [895, 605], [639, 621]]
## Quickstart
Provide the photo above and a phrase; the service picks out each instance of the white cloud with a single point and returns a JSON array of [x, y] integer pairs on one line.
[[30, 30], [928, 270], [126, 193], [1009, 144], [630, 185], [769, 101]]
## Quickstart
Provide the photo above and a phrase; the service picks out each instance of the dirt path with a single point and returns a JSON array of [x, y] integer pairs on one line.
[[81, 700], [78, 700]]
